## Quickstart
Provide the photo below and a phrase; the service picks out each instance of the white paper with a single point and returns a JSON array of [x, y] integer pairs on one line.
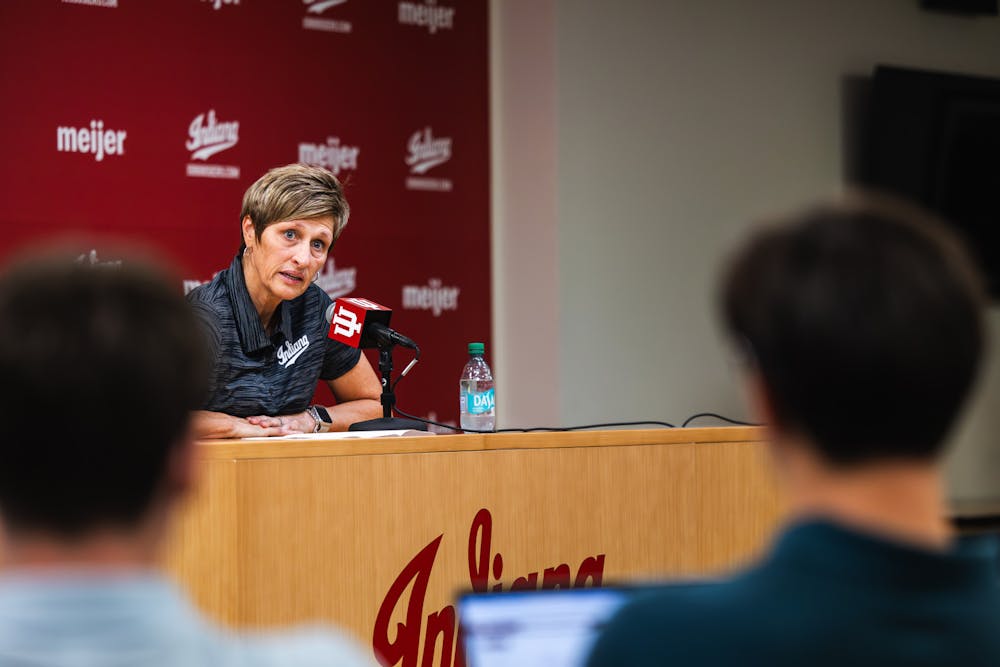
[[343, 435]]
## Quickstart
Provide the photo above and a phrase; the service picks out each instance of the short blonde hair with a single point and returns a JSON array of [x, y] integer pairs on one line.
[[295, 191]]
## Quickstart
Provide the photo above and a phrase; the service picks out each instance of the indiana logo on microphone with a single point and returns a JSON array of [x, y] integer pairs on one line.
[[345, 323], [349, 317]]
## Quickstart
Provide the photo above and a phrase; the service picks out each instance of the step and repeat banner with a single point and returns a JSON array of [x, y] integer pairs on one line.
[[146, 120]]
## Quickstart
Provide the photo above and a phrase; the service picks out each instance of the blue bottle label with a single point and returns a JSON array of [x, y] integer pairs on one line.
[[479, 402]]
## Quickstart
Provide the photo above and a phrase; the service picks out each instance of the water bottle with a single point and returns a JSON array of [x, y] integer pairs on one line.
[[476, 399]]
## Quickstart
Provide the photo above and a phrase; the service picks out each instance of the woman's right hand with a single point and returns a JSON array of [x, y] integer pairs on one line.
[[298, 423], [214, 425]]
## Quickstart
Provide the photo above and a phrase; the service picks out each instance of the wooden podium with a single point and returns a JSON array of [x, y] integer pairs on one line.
[[378, 535]]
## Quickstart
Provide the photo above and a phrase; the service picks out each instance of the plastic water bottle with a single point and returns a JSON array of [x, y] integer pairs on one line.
[[476, 399]]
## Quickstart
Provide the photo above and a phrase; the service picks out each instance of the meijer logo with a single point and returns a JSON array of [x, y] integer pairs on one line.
[[207, 137], [331, 155], [312, 21], [427, 15], [433, 297], [95, 140]]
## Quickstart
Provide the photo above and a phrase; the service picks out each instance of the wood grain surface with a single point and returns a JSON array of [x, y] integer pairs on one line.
[[281, 532]]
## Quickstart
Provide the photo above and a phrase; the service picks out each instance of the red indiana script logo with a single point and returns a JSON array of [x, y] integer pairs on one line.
[[405, 649]]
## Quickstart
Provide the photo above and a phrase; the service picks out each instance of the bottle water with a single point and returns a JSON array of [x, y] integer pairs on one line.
[[476, 399]]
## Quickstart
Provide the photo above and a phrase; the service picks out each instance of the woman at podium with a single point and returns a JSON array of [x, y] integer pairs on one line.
[[264, 318]]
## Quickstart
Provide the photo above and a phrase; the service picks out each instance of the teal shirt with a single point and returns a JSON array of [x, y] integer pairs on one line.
[[826, 595], [83, 619]]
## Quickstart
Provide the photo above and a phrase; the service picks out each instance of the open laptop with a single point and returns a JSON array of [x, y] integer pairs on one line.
[[535, 628]]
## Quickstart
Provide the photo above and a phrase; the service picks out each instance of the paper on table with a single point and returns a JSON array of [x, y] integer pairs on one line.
[[344, 435]]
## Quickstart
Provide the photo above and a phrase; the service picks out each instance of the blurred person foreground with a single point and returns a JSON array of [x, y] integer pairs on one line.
[[861, 325], [88, 485]]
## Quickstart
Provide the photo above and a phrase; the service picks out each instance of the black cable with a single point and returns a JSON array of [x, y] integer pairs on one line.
[[561, 429], [536, 428], [429, 421], [584, 427], [712, 414]]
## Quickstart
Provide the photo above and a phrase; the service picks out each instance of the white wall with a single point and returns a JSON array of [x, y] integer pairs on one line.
[[525, 253], [676, 123]]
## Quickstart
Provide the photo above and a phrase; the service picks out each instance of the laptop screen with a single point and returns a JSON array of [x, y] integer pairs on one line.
[[535, 628]]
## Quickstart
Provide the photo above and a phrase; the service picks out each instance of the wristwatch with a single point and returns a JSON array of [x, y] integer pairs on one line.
[[322, 418]]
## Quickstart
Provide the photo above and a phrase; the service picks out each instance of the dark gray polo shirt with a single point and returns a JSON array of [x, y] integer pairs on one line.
[[257, 374]]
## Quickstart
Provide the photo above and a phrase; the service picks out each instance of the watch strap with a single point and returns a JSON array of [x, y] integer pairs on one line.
[[322, 417]]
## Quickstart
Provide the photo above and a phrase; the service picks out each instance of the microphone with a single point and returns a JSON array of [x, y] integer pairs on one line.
[[361, 323]]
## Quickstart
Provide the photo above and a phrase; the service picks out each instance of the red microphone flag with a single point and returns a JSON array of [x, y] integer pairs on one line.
[[350, 317]]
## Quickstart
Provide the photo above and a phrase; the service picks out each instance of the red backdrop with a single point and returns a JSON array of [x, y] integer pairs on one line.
[[147, 119]]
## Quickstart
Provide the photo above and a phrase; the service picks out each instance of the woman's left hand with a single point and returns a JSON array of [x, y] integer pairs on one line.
[[297, 423]]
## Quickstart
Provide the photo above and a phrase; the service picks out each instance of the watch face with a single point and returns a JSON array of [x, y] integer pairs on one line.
[[324, 415]]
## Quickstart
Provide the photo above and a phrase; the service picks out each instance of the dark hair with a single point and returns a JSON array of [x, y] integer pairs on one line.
[[864, 318], [100, 367]]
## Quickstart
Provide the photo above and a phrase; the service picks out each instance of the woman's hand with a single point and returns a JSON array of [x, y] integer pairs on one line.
[[297, 423], [213, 425]]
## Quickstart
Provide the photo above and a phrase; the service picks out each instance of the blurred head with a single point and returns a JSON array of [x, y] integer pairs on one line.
[[100, 366], [863, 323]]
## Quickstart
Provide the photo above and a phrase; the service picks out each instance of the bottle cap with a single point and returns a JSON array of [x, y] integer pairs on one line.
[[476, 348]]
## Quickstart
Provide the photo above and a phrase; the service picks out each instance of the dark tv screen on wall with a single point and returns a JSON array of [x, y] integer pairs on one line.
[[934, 138]]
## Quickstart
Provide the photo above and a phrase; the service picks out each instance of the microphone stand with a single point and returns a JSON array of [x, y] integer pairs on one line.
[[387, 422]]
